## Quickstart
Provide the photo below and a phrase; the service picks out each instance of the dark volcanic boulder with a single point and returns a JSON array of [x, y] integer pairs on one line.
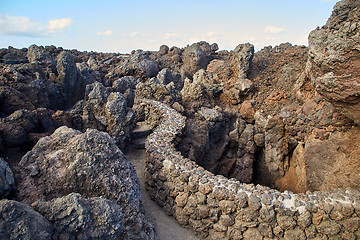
[[108, 112], [12, 133], [197, 56], [334, 59], [75, 217], [139, 64], [36, 54], [20, 221], [70, 79], [7, 182], [12, 100], [88, 163]]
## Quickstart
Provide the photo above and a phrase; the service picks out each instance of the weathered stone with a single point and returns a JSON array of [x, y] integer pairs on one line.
[[12, 133], [227, 220], [254, 203], [76, 217], [296, 233], [7, 182], [247, 111], [20, 221], [286, 222], [70, 79], [71, 161], [219, 227], [241, 200], [304, 220], [329, 227], [196, 56], [35, 54], [181, 199], [267, 215], [252, 233], [227, 207], [333, 59]]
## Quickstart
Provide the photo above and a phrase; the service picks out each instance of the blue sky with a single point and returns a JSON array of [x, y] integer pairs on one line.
[[121, 26]]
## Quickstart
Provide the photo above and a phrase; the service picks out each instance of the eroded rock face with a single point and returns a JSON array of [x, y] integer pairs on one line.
[[75, 217], [20, 221], [89, 163], [197, 56], [7, 182], [70, 79], [108, 112], [334, 59], [139, 64], [35, 54]]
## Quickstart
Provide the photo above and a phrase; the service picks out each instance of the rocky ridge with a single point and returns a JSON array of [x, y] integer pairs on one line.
[[285, 116]]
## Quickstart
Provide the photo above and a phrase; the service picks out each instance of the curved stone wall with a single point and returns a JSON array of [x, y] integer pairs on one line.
[[219, 208]]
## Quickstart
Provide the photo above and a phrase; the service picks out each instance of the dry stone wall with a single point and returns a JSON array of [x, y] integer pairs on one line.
[[219, 208]]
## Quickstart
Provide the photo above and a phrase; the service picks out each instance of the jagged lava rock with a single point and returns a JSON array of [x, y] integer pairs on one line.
[[139, 64], [197, 56], [75, 217], [89, 163], [70, 79], [7, 182], [20, 221], [334, 59]]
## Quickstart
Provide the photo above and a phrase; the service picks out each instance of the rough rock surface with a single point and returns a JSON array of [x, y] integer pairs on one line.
[[70, 79], [35, 54], [139, 64], [108, 112], [197, 56], [218, 207], [7, 182], [75, 217], [20, 221], [89, 163], [334, 59]]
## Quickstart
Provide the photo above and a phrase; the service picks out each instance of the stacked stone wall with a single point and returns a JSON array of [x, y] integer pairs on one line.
[[219, 208]]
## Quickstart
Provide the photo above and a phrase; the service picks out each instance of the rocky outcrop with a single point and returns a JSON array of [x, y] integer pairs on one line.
[[217, 207], [126, 86], [7, 182], [108, 112], [20, 221], [334, 59], [197, 56], [12, 100], [70, 80], [327, 163], [138, 64], [75, 217], [154, 89], [37, 55], [88, 163]]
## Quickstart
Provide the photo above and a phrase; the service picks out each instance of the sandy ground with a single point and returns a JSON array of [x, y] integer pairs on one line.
[[166, 226]]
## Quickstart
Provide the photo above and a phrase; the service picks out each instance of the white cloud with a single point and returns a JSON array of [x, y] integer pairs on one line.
[[106, 33], [24, 26], [21, 26], [59, 23], [272, 29], [133, 34]]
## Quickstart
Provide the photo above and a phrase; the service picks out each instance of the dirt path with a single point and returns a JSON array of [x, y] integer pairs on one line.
[[166, 227]]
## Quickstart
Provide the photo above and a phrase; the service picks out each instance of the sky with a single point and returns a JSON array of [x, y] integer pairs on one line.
[[123, 26]]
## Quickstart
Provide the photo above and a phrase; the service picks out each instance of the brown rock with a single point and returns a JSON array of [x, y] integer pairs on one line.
[[333, 63], [329, 227], [247, 111]]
